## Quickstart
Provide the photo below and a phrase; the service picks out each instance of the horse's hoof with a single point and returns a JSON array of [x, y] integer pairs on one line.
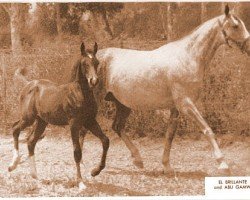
[[224, 170], [138, 163], [95, 172], [82, 187]]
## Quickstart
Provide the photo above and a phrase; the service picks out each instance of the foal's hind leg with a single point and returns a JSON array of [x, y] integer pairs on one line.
[[173, 121], [122, 113], [17, 128], [94, 127], [39, 128], [187, 107]]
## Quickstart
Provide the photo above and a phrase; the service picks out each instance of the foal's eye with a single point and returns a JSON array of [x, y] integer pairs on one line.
[[235, 26]]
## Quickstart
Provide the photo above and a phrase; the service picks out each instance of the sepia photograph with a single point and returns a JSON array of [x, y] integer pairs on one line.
[[125, 99]]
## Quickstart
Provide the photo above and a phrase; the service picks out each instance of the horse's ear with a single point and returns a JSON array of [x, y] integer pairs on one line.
[[83, 52], [95, 48], [227, 10]]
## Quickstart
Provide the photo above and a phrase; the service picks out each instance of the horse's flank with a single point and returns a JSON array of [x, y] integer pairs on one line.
[[142, 79]]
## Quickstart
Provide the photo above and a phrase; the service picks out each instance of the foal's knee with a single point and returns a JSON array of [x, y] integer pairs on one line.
[[78, 155]]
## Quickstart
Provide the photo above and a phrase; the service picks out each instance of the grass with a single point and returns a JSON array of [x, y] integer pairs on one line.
[[192, 161]]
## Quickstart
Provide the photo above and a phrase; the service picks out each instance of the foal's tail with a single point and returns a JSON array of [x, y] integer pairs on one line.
[[20, 74]]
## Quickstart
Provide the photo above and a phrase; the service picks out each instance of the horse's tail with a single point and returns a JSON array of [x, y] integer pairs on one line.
[[20, 74]]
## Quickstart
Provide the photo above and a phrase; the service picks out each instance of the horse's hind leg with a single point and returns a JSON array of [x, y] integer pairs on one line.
[[122, 113], [187, 107], [94, 127], [16, 129], [39, 128], [173, 121]]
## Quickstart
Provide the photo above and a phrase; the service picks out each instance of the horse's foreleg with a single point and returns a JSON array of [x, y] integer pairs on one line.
[[39, 128], [94, 127], [75, 128], [122, 113], [188, 108], [17, 128], [173, 121]]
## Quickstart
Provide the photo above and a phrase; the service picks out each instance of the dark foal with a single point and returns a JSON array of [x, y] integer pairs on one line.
[[42, 102]]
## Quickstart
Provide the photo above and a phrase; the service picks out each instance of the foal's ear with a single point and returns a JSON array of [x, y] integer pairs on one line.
[[227, 10], [83, 52], [95, 48]]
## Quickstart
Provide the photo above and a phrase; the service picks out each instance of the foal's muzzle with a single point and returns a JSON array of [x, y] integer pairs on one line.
[[246, 46], [93, 81]]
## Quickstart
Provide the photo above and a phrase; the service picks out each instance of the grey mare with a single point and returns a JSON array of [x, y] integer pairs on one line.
[[169, 77]]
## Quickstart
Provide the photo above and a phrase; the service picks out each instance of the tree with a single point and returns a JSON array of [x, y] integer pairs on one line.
[[102, 10], [169, 21], [203, 12], [16, 13]]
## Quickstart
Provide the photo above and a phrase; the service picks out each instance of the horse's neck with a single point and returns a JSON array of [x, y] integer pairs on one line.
[[203, 43]]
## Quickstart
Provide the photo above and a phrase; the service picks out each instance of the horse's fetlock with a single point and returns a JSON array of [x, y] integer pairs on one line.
[[208, 132]]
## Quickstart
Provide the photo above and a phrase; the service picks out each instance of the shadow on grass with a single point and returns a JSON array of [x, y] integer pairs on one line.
[[96, 188], [156, 174]]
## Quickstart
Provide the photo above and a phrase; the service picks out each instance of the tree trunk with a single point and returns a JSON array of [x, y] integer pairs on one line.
[[58, 21], [203, 12], [161, 10], [169, 22], [16, 28], [107, 26]]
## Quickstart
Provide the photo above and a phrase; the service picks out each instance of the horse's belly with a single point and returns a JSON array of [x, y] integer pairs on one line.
[[144, 98]]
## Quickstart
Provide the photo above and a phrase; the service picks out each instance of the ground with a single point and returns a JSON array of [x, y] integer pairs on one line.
[[191, 159]]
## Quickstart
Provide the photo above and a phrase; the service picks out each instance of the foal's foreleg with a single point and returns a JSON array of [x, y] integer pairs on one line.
[[188, 108], [173, 121], [82, 134], [75, 128], [39, 128], [94, 127]]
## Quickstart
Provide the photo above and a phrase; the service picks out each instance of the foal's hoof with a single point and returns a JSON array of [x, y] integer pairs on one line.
[[168, 171], [34, 176], [138, 163], [95, 172], [82, 187], [14, 164]]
